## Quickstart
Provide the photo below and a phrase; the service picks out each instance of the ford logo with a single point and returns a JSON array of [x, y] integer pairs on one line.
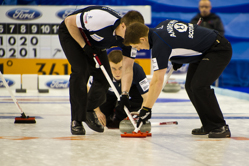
[[65, 12], [58, 84], [9, 82], [23, 14], [122, 12]]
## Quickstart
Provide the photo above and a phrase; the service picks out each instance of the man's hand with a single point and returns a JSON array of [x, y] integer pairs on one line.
[[101, 116], [90, 50], [144, 115], [176, 66], [124, 101]]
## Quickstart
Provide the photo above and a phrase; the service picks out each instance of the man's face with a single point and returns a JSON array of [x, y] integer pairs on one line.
[[205, 8], [143, 45], [116, 70]]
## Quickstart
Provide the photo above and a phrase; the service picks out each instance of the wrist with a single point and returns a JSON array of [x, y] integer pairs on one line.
[[146, 108], [125, 93]]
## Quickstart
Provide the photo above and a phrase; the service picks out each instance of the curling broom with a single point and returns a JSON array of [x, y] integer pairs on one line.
[[23, 118]]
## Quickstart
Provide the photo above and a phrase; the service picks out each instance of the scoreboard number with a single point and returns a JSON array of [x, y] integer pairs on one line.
[[19, 40]]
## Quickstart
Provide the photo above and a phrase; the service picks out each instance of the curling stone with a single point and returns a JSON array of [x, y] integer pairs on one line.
[[126, 126], [172, 87]]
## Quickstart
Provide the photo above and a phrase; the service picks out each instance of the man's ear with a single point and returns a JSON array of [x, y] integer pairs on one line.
[[143, 39], [123, 25]]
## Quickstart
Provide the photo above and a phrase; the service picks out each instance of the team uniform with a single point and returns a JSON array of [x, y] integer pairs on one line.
[[140, 86], [208, 54], [99, 24]]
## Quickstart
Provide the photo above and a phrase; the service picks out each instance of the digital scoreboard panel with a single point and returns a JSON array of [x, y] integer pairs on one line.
[[29, 42]]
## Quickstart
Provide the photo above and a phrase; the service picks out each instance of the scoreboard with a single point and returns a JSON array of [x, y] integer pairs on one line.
[[29, 42], [18, 40]]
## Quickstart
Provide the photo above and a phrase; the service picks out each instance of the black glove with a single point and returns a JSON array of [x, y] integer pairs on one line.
[[144, 115], [176, 65], [90, 50], [124, 101]]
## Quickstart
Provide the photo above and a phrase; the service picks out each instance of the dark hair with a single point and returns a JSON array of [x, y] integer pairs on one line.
[[134, 32], [131, 17], [115, 56]]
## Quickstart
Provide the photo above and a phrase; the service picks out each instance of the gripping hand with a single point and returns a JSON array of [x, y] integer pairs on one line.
[[124, 101], [144, 115], [90, 50]]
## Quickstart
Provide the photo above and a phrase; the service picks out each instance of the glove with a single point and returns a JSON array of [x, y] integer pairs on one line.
[[176, 66], [144, 115], [119, 113], [124, 101], [90, 50]]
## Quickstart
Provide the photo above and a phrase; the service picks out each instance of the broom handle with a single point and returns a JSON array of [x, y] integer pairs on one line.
[[96, 59], [168, 75], [163, 123], [11, 94]]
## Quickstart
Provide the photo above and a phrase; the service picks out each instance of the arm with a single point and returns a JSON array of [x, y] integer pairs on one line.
[[127, 73], [144, 96], [155, 87], [70, 22]]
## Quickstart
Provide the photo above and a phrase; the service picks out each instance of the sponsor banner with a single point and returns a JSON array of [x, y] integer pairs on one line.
[[55, 14], [49, 66], [35, 66], [13, 80], [54, 82]]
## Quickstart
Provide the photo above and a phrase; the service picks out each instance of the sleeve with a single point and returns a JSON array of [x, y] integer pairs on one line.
[[160, 55], [128, 51], [94, 19], [78, 22], [140, 79]]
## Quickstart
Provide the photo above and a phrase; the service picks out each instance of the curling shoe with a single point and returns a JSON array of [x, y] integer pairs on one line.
[[77, 128], [222, 132], [93, 122], [199, 131]]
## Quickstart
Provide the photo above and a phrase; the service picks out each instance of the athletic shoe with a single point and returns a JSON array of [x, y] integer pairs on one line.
[[77, 128], [199, 131], [222, 132], [93, 122]]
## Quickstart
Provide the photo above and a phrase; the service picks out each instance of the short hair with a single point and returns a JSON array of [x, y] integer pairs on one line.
[[115, 56], [131, 17], [205, 0], [134, 32]]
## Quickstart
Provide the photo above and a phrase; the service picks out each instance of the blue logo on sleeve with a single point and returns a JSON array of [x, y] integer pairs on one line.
[[23, 14], [58, 84], [9, 82]]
